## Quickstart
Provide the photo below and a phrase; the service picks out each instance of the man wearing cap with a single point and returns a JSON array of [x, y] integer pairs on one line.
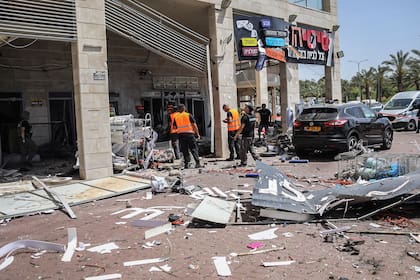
[[187, 131], [172, 113], [234, 123], [247, 132]]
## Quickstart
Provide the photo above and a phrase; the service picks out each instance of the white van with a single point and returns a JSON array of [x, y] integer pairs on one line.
[[399, 110]]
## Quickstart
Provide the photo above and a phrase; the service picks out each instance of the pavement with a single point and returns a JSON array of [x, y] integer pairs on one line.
[[302, 252]]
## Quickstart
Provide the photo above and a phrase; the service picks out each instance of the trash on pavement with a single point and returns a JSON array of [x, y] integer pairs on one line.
[[264, 235], [7, 249], [104, 248], [268, 264], [214, 210], [222, 267]]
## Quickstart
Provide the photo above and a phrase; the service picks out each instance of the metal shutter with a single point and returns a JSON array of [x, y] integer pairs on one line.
[[43, 19]]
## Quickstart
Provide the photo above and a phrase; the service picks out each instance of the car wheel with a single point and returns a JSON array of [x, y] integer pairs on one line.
[[352, 141], [387, 139], [301, 153], [411, 126]]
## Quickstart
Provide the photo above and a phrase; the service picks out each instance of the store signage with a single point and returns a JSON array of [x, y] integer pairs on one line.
[[276, 33], [275, 37], [265, 23], [249, 42], [277, 54], [274, 42], [249, 51]]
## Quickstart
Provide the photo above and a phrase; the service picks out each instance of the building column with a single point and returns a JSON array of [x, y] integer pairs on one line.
[[261, 84], [223, 72], [332, 75], [90, 78], [289, 90]]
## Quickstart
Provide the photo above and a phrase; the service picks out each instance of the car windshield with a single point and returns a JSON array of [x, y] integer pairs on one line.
[[396, 104], [311, 114]]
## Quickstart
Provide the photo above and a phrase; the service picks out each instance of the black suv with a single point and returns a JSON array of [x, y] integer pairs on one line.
[[339, 128]]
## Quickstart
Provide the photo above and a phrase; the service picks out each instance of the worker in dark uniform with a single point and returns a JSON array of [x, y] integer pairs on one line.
[[234, 123], [172, 130], [27, 147], [246, 131], [187, 131], [265, 119]]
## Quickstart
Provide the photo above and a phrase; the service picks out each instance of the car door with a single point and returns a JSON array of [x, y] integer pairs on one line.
[[375, 128], [361, 124]]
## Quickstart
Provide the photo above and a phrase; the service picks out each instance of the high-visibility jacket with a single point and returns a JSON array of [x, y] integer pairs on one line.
[[235, 122], [183, 123], [171, 125]]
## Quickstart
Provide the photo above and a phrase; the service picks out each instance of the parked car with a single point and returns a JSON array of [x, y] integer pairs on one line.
[[339, 128], [400, 110], [373, 104]]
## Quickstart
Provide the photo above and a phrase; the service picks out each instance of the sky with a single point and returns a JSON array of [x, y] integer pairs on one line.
[[372, 30]]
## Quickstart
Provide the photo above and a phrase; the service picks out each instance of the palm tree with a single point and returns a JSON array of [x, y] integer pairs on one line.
[[380, 78], [398, 64], [414, 69], [367, 79]]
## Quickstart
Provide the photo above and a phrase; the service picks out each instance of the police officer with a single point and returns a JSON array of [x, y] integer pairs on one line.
[[172, 113], [234, 123], [187, 131], [247, 132]]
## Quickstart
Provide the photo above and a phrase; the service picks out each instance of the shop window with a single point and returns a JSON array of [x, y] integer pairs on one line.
[[62, 118], [312, 4]]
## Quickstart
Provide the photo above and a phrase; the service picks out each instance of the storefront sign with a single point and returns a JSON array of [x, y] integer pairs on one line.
[[249, 42], [277, 54], [275, 37], [276, 33], [274, 42], [249, 51]]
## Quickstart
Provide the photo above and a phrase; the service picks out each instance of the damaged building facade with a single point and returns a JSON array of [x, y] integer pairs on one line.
[[73, 63]]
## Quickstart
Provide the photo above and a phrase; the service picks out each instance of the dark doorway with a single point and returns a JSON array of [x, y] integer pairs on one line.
[[10, 112]]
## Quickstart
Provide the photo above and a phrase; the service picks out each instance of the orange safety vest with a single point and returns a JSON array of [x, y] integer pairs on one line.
[[235, 123], [172, 117], [183, 124]]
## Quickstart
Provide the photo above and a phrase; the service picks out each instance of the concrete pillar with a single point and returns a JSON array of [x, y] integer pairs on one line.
[[289, 89], [90, 77], [261, 84], [333, 75], [223, 72]]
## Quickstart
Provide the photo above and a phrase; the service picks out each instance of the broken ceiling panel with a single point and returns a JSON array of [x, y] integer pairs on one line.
[[275, 190], [214, 210], [25, 203]]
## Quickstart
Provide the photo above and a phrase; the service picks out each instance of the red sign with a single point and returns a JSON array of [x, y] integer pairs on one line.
[[276, 54]]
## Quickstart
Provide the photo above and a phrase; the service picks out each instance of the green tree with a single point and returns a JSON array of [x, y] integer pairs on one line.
[[380, 77], [414, 69], [399, 69], [367, 78]]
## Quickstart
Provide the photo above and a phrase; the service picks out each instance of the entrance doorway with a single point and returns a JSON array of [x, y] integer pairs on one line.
[[10, 112]]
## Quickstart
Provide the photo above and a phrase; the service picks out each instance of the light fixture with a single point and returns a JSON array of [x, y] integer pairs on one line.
[[335, 27], [225, 4], [292, 17]]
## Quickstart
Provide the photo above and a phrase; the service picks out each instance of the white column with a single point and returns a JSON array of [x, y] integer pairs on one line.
[[90, 77], [261, 84], [333, 75], [223, 72], [289, 89]]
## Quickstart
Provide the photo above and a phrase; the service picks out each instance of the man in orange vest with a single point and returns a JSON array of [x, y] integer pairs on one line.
[[187, 131], [172, 130], [233, 121]]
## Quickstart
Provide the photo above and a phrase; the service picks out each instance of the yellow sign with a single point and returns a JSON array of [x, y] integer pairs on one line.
[[249, 42]]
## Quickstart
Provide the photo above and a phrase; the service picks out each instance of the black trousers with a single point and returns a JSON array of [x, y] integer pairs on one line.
[[175, 144], [187, 143], [233, 145]]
